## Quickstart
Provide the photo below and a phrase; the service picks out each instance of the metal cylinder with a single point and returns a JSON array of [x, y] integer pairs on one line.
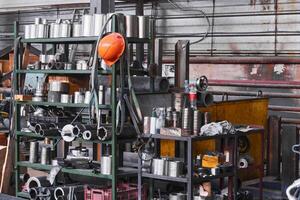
[[176, 119], [143, 26], [34, 182], [205, 98], [33, 152], [49, 133], [54, 97], [43, 58], [131, 25], [37, 20], [54, 30], [33, 193], [87, 97], [101, 94], [158, 166], [177, 196], [109, 25], [58, 86], [196, 122], [77, 30], [27, 31], [67, 133], [41, 126], [178, 101], [33, 31], [89, 135], [78, 97], [106, 165], [153, 121], [24, 177], [87, 22], [45, 155], [42, 31], [65, 29], [60, 192], [175, 168], [186, 120], [99, 20], [66, 98], [147, 121]]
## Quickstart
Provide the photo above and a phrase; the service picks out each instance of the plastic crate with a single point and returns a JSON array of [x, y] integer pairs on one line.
[[125, 192]]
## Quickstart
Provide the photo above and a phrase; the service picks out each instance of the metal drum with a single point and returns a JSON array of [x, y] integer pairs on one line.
[[131, 25]]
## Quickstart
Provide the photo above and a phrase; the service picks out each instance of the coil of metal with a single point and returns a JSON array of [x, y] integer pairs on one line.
[[35, 182], [143, 26], [103, 134], [87, 23], [187, 120], [131, 25], [27, 30], [45, 155], [77, 29], [99, 20], [42, 31], [158, 166], [175, 168], [58, 86], [65, 29], [196, 122], [66, 98], [33, 31], [106, 165], [33, 152], [78, 97], [54, 96]]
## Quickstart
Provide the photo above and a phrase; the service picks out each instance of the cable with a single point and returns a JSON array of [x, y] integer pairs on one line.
[[189, 9]]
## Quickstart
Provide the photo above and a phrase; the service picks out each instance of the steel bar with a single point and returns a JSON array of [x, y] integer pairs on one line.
[[240, 60], [256, 84], [255, 94]]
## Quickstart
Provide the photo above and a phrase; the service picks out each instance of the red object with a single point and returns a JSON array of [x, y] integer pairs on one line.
[[192, 96], [125, 191], [3, 139]]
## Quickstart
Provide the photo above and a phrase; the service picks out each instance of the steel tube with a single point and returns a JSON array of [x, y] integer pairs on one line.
[[40, 181], [256, 94], [33, 193]]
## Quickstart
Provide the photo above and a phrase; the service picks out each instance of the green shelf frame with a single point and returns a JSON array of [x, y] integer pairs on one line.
[[58, 104]]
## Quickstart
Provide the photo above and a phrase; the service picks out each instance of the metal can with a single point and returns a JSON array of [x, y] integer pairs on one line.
[[147, 121]]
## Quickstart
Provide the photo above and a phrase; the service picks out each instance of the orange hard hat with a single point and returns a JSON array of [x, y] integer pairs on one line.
[[111, 48]]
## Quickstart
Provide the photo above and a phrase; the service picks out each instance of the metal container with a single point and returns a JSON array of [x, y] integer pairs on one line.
[[178, 101], [65, 29], [186, 120], [143, 26], [54, 97], [175, 168], [33, 152], [196, 122], [87, 97], [54, 30], [77, 30], [33, 30], [42, 31], [45, 155], [58, 86], [176, 119], [37, 20], [106, 165], [131, 25], [99, 20], [158, 166], [66, 98], [78, 97], [27, 31], [147, 121], [87, 22]]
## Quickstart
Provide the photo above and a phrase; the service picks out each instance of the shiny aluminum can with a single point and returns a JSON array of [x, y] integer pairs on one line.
[[106, 165], [65, 29]]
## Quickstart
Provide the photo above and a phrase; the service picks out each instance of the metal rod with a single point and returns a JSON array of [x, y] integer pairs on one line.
[[256, 84], [256, 94]]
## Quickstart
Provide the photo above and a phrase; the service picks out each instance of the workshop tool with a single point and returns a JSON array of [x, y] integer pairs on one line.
[[106, 165], [33, 152]]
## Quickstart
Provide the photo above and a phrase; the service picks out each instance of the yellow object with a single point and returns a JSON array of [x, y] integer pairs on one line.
[[210, 161]]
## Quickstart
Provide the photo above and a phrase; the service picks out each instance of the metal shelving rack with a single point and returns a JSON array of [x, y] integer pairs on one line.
[[189, 180], [19, 72]]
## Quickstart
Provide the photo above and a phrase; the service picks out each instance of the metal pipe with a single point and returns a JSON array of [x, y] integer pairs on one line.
[[103, 134], [239, 60], [24, 177], [40, 181], [49, 133], [60, 192], [255, 84], [255, 94], [284, 108], [33, 193]]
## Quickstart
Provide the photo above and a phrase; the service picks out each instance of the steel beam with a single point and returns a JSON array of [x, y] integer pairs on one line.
[[102, 6], [182, 51]]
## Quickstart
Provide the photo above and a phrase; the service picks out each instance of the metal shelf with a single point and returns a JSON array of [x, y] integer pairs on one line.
[[75, 72], [197, 180], [71, 105], [165, 178], [77, 40]]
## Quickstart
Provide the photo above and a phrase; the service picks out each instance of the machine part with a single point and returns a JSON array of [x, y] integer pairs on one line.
[[33, 152], [24, 177], [42, 31], [60, 192], [182, 51], [178, 101], [143, 24], [176, 119], [65, 29], [40, 127], [33, 30], [131, 25], [33, 193], [243, 163], [103, 134], [77, 29], [111, 47], [62, 149], [27, 30], [99, 20], [186, 120], [177, 196], [45, 155], [54, 96], [207, 118], [58, 86], [243, 144], [202, 83], [147, 122], [54, 30], [101, 94], [106, 165], [169, 117], [87, 25], [66, 98], [80, 128], [37, 99], [143, 84], [196, 122], [59, 65], [204, 99], [67, 133], [34, 182], [54, 163], [78, 97], [175, 168], [87, 97], [79, 152], [89, 135], [158, 166]]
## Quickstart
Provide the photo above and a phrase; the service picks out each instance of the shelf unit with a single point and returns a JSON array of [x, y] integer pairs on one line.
[[189, 180], [19, 73]]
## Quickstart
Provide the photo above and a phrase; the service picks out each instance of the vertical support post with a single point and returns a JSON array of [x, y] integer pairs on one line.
[[158, 54], [182, 51], [102, 6], [274, 149], [190, 168], [140, 47]]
